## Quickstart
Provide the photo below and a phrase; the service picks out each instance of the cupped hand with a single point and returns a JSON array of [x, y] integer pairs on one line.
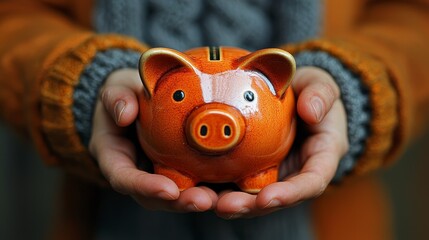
[[311, 165], [116, 109]]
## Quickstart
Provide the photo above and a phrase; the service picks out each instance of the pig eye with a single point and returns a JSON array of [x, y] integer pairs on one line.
[[249, 96], [178, 95]]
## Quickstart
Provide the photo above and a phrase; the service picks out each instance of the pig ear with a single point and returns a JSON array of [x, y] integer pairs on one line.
[[155, 62], [276, 64]]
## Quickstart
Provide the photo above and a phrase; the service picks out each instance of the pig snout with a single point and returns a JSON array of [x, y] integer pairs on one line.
[[215, 128]]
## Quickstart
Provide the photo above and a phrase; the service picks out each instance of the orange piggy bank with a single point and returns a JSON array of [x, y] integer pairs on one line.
[[217, 114]]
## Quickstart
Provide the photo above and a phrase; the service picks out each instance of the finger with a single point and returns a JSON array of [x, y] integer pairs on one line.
[[316, 92], [310, 183], [119, 95], [212, 194], [117, 163], [116, 158], [197, 199], [331, 132], [106, 136], [320, 155], [235, 205], [121, 103]]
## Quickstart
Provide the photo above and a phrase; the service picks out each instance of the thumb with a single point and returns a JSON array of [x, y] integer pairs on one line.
[[119, 95], [316, 92], [121, 103]]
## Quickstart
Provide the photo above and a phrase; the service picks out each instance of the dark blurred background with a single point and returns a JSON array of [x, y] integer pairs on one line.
[[407, 183], [28, 191]]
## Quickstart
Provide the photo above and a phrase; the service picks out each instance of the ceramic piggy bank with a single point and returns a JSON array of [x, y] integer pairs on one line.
[[217, 114]]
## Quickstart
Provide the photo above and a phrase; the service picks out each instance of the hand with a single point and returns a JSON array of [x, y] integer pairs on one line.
[[116, 109], [325, 142]]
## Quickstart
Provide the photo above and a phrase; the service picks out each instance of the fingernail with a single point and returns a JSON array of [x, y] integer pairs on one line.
[[165, 195], [193, 208], [317, 105], [273, 203], [119, 109], [239, 213]]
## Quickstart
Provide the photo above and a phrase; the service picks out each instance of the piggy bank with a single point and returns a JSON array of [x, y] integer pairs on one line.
[[217, 114]]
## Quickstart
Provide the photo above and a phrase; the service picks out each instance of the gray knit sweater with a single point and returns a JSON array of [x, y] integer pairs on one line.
[[249, 24]]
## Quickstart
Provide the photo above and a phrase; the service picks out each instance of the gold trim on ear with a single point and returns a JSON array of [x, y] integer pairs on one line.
[[278, 65], [155, 62]]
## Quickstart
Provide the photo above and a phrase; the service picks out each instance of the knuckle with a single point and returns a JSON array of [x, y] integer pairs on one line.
[[331, 85], [103, 93], [107, 95], [136, 186], [322, 184], [329, 91], [116, 184], [127, 183], [105, 99]]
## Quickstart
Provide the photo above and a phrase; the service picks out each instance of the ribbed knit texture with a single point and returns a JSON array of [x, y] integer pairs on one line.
[[174, 24], [250, 24], [57, 100], [296, 20], [125, 17], [86, 92], [355, 100]]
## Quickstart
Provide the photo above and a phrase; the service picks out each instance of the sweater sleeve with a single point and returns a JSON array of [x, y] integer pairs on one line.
[[43, 61], [385, 47]]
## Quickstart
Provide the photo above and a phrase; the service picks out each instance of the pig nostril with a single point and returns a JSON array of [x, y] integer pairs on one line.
[[214, 129], [203, 130], [227, 130]]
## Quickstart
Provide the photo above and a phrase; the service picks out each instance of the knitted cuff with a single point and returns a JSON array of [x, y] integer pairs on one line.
[[60, 137], [383, 101], [355, 100], [92, 78]]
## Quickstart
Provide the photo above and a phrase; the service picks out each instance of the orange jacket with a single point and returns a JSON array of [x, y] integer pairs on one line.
[[45, 45]]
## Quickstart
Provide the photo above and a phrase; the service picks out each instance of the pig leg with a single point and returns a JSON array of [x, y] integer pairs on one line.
[[255, 182], [182, 181]]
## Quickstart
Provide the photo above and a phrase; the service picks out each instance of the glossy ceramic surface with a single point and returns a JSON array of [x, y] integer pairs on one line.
[[217, 114]]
